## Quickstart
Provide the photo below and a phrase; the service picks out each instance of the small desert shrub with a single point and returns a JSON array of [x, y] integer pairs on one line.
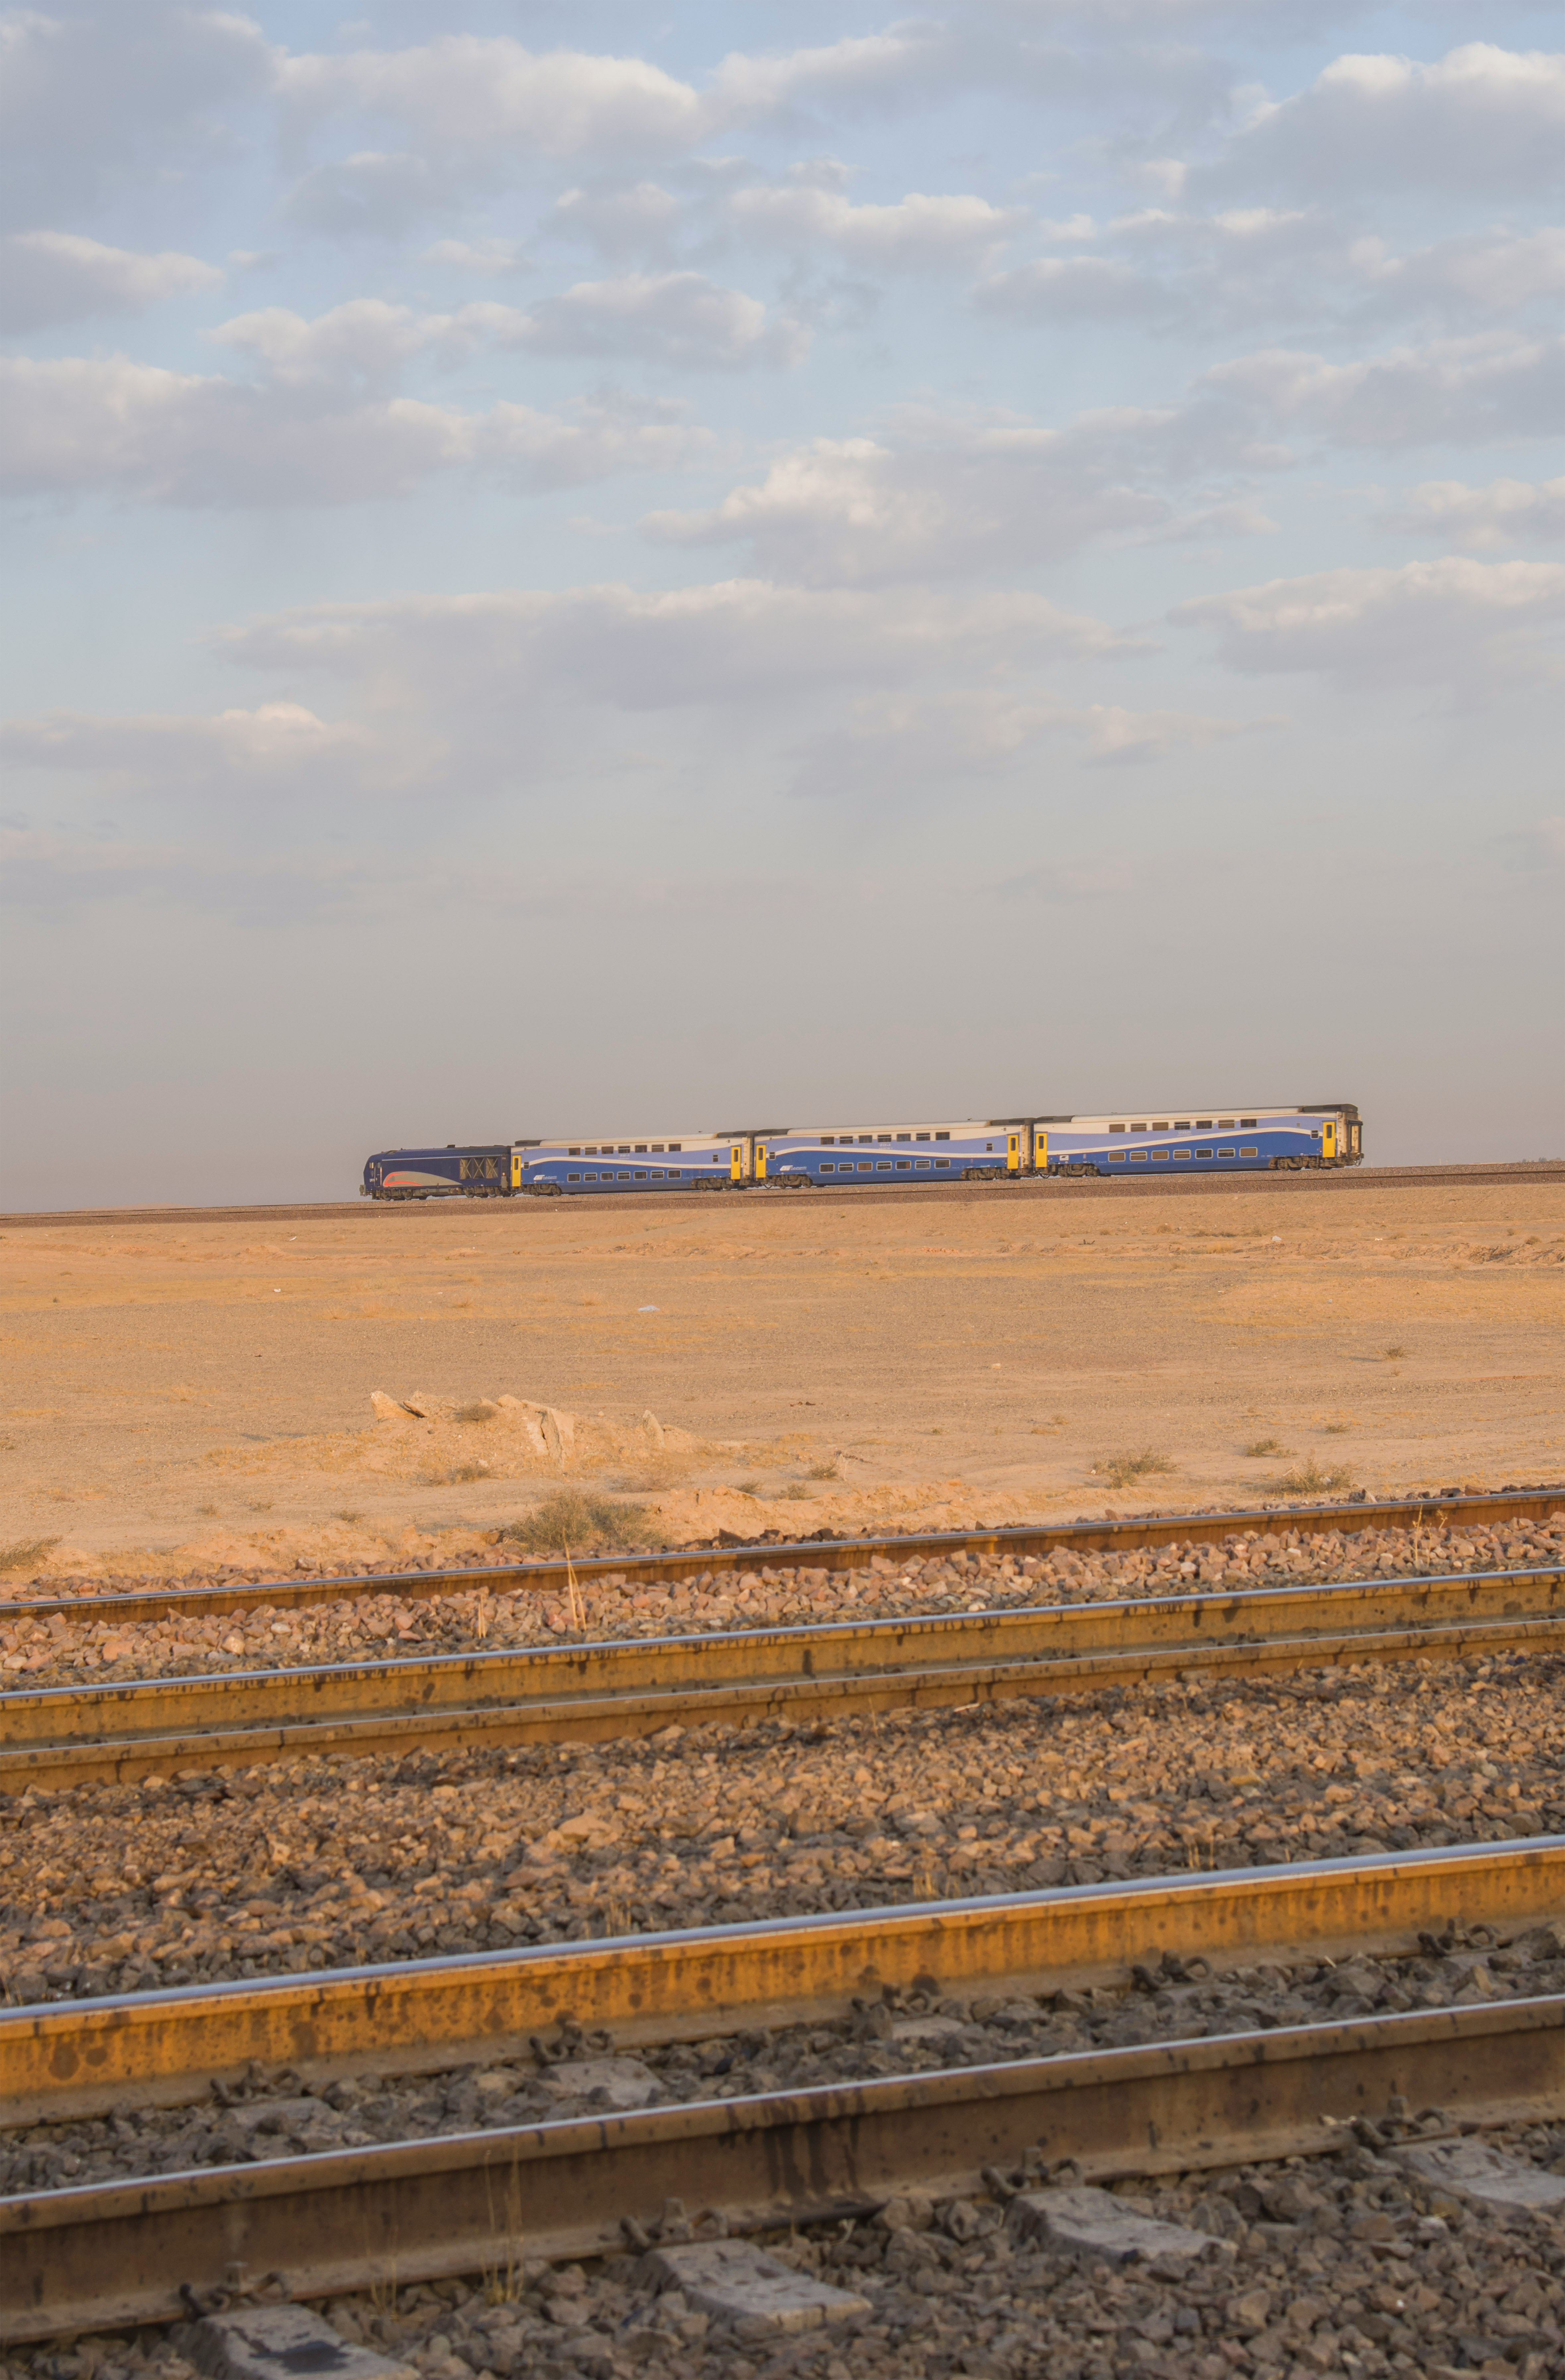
[[1336, 1430], [482, 1411], [1309, 1479], [823, 1471], [569, 1521], [24, 1552], [1266, 1446], [748, 1488], [795, 1492], [1119, 1470]]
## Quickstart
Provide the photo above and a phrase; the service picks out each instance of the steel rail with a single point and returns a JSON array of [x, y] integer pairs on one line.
[[74, 2059], [114, 2254], [1370, 1177], [57, 1736], [1444, 1508]]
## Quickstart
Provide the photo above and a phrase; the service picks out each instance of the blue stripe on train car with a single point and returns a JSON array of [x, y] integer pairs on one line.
[[1247, 1149]]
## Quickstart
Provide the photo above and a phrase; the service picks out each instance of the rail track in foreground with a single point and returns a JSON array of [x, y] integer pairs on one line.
[[59, 1736], [1374, 1177], [1447, 1507], [110, 2254]]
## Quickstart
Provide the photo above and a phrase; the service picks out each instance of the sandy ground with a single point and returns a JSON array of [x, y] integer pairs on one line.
[[178, 1395]]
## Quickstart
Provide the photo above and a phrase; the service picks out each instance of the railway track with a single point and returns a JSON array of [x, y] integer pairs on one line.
[[1446, 1508], [116, 2252], [60, 1736], [1376, 1177]]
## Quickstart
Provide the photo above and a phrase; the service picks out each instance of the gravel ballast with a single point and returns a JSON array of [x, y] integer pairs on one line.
[[1344, 2262], [365, 1624]]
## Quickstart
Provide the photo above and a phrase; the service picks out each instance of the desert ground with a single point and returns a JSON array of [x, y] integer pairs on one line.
[[178, 1396]]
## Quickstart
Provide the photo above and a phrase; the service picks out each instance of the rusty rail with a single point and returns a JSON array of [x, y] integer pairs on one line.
[[1109, 1534], [58, 1736], [101, 2257], [73, 2058]]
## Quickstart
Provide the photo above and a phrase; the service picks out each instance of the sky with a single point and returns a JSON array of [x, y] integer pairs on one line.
[[603, 569]]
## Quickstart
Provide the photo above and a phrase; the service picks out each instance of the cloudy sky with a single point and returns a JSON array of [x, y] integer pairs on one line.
[[590, 568]]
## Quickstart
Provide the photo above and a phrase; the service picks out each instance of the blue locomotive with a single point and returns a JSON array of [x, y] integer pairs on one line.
[[794, 1157]]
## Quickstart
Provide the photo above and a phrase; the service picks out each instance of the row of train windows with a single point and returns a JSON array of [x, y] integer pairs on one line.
[[868, 1140], [1202, 1123], [641, 1174], [1140, 1156], [885, 1165], [625, 1148]]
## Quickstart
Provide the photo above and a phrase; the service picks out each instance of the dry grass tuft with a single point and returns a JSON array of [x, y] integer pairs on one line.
[[25, 1551], [1266, 1446], [570, 1522], [1120, 1470], [1309, 1479], [827, 1470]]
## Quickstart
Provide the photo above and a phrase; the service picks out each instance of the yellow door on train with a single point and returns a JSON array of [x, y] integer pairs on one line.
[[515, 1170], [760, 1160], [736, 1162], [1041, 1151], [1013, 1153], [1329, 1140]]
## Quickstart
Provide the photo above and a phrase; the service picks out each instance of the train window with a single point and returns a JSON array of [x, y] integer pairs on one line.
[[1138, 1157], [922, 1164], [1315, 1131], [904, 1164], [1203, 1152], [1246, 1123], [618, 1177], [865, 1166], [589, 1177], [990, 1145], [1159, 1155], [942, 1135], [827, 1166], [1138, 1127], [904, 1136], [879, 1135], [828, 1140], [1225, 1152], [641, 1174], [1182, 1125], [1117, 1155], [674, 1173], [920, 1135], [1203, 1123], [573, 1177], [1116, 1127], [1181, 1152], [675, 1147], [1225, 1123], [640, 1148], [942, 1160], [882, 1165], [1160, 1127], [1249, 1152], [573, 1152]]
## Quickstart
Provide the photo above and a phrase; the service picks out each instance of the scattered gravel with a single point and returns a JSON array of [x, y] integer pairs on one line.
[[1339, 2263], [59, 1650], [278, 2115], [316, 1863]]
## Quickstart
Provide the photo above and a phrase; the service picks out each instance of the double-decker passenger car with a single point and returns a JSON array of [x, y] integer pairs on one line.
[[449, 1172], [588, 1167], [1281, 1139]]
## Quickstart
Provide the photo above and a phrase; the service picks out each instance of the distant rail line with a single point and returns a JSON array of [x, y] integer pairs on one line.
[[1374, 1177], [58, 1736], [1443, 1507], [99, 2256]]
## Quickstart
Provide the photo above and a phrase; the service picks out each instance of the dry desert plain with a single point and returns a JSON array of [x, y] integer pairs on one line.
[[180, 1396]]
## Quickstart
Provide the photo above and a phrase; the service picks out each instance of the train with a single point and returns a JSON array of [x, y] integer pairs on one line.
[[804, 1157]]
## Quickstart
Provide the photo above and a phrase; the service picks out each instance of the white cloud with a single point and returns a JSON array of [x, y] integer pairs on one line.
[[1498, 384], [729, 645], [680, 319], [1481, 118], [277, 742], [135, 429], [915, 234], [91, 95], [1073, 288], [952, 496], [1447, 623], [628, 222], [1507, 512], [890, 743], [59, 276], [375, 194]]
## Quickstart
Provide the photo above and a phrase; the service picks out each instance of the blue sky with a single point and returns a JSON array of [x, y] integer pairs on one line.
[[592, 568]]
